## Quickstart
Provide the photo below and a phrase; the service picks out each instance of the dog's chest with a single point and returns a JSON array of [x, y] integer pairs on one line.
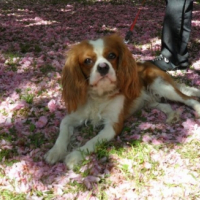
[[96, 111]]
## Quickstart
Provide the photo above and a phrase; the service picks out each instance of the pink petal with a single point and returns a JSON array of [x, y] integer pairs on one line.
[[41, 122], [52, 105]]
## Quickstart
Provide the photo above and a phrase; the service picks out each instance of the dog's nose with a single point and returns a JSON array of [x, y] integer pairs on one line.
[[103, 68]]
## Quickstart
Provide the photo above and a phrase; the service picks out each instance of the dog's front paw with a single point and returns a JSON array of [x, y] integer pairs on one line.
[[73, 159], [54, 155], [173, 117]]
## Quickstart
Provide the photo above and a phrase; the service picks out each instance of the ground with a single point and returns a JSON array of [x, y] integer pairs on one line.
[[149, 160]]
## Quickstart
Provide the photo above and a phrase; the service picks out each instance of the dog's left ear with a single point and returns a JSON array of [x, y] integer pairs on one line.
[[127, 71]]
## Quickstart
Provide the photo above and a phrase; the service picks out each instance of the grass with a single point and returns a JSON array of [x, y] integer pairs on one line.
[[28, 96], [32, 127], [36, 140], [135, 163], [87, 2], [11, 55], [6, 154], [12, 61], [74, 187], [25, 112], [138, 165], [8, 195], [47, 68], [132, 160], [190, 151], [24, 48]]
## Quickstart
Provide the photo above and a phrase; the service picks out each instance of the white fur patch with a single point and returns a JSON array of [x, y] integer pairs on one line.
[[98, 46], [190, 91], [108, 82], [98, 110], [160, 88], [164, 89]]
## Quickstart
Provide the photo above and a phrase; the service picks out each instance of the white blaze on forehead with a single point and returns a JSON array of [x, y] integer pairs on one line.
[[101, 84], [98, 46]]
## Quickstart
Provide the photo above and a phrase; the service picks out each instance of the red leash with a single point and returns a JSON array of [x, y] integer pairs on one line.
[[130, 32]]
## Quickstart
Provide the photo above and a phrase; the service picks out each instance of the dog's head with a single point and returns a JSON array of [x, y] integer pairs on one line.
[[100, 66]]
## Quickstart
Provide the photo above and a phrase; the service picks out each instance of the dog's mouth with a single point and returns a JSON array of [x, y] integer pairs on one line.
[[104, 79], [104, 86]]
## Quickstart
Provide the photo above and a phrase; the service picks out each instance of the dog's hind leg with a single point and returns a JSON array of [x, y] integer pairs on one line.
[[172, 116], [165, 89], [189, 91]]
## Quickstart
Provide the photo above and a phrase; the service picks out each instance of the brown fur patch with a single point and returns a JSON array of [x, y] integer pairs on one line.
[[74, 77], [127, 74], [149, 72], [119, 125]]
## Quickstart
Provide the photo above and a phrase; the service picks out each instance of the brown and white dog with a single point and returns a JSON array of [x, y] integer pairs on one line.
[[103, 84]]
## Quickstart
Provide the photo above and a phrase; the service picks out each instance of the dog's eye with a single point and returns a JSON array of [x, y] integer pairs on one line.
[[111, 56], [88, 61]]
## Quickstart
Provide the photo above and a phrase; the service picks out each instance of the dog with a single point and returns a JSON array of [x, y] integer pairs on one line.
[[103, 84]]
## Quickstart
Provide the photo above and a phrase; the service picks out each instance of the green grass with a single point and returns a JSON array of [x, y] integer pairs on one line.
[[8, 195], [9, 136], [11, 55], [25, 112], [36, 140], [18, 91], [87, 131], [12, 61], [37, 48], [101, 150], [47, 68], [74, 187], [27, 47], [190, 151], [6, 154], [134, 161], [138, 157], [32, 127], [131, 158], [86, 2], [6, 136], [28, 96], [24, 48]]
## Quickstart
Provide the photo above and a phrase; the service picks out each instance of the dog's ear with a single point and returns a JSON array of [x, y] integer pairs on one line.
[[127, 72], [74, 82]]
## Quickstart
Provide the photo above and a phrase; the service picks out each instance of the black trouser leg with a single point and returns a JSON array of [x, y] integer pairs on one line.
[[176, 30], [182, 55]]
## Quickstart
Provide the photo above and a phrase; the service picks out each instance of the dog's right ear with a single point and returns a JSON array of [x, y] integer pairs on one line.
[[73, 81]]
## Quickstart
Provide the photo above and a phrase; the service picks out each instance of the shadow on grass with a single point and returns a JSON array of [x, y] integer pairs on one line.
[[142, 132]]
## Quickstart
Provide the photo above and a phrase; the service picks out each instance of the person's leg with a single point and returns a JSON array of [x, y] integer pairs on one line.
[[182, 56], [175, 35], [172, 28]]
